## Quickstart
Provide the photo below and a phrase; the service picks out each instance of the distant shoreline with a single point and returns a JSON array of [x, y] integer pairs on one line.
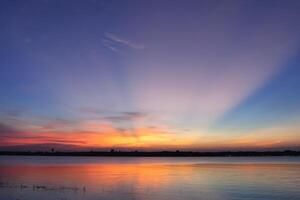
[[154, 154]]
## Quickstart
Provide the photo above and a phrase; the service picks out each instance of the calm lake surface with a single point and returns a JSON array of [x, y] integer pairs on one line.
[[64, 178]]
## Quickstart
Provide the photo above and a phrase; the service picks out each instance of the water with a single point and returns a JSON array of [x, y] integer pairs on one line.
[[89, 178]]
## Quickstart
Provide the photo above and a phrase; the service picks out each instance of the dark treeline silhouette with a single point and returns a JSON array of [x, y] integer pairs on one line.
[[154, 153]]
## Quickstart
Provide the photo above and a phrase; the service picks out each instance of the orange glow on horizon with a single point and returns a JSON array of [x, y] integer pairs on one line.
[[106, 136]]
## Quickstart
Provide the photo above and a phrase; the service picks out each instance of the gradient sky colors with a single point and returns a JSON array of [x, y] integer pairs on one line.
[[197, 75]]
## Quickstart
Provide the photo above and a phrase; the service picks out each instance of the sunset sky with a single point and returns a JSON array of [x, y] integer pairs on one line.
[[149, 75]]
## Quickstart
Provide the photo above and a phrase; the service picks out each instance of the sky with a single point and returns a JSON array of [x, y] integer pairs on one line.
[[149, 75]]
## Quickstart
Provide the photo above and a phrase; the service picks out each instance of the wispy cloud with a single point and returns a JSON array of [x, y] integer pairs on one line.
[[6, 129], [126, 116], [112, 41], [113, 116]]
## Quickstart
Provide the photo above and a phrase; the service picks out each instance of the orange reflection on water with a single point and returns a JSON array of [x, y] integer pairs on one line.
[[154, 181], [95, 175]]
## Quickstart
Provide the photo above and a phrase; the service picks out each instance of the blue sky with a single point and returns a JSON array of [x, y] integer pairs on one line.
[[155, 74]]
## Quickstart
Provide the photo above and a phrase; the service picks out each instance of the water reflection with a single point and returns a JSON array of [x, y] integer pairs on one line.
[[150, 181]]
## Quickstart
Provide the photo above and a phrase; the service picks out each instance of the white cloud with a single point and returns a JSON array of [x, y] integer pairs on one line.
[[111, 38]]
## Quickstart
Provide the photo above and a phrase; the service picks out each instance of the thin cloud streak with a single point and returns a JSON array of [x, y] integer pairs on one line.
[[110, 39]]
